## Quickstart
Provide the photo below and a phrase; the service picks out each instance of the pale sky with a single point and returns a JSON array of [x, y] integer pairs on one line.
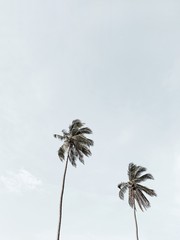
[[116, 66]]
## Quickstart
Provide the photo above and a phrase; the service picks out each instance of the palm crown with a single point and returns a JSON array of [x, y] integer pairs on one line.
[[136, 191], [76, 144]]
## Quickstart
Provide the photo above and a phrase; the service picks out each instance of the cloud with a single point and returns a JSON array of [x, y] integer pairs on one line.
[[20, 182]]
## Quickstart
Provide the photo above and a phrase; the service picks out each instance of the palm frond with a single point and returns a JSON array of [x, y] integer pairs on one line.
[[148, 191], [138, 199], [84, 130], [62, 150], [144, 178], [76, 124], [131, 171], [65, 133], [89, 142], [58, 136], [131, 197], [80, 155], [85, 150], [72, 156], [83, 140], [123, 187], [139, 171], [142, 201]]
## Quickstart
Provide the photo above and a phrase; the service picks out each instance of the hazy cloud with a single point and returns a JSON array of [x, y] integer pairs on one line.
[[20, 181]]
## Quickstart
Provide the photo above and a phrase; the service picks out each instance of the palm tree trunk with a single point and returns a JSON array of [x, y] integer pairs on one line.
[[61, 198], [136, 221]]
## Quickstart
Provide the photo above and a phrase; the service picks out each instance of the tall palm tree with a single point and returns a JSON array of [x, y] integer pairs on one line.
[[136, 190], [75, 146]]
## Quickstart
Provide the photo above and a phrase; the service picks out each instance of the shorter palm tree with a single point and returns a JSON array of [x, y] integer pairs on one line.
[[136, 190]]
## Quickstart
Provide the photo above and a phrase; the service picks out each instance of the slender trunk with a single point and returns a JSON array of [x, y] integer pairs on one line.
[[61, 198], [136, 221]]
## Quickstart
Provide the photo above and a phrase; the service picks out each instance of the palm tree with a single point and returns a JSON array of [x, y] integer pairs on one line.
[[75, 146], [136, 190]]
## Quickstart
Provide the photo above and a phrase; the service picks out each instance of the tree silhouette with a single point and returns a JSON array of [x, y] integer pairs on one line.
[[136, 191], [75, 146]]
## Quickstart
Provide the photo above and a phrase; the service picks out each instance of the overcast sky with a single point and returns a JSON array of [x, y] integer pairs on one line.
[[116, 66]]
